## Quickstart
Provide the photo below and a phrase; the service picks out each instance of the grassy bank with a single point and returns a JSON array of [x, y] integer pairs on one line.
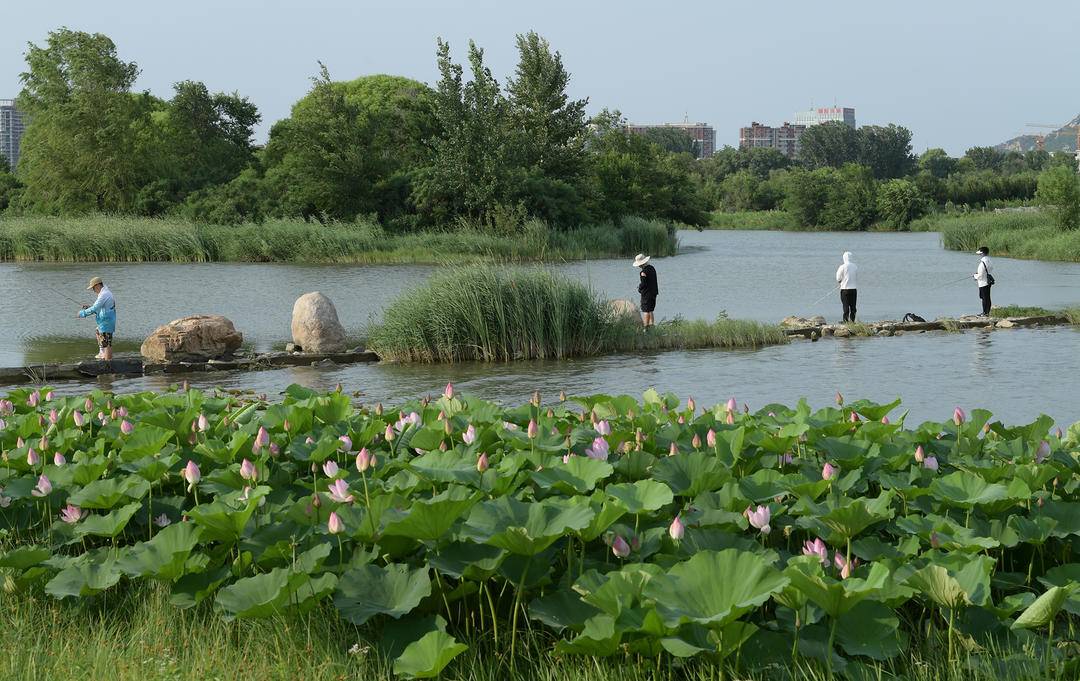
[[126, 239], [1014, 235], [754, 219], [499, 314]]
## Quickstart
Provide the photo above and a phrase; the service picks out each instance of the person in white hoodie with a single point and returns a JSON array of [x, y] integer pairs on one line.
[[984, 278], [845, 276]]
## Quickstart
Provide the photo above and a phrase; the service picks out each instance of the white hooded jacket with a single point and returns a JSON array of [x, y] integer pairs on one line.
[[845, 275]]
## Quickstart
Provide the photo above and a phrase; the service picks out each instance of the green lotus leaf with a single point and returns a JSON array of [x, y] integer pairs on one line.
[[835, 597], [107, 493], [854, 516], [1065, 575], [714, 587], [192, 589], [578, 475], [966, 490], [691, 473], [272, 593], [1067, 515], [872, 630], [635, 465], [1045, 608], [848, 451], [561, 609], [430, 519], [427, 657], [428, 438], [476, 562], [607, 510], [448, 466], [22, 557], [163, 557], [872, 411], [221, 521], [370, 590], [109, 525], [953, 588], [599, 636], [146, 440], [621, 589], [88, 470], [152, 468], [84, 579], [525, 528]]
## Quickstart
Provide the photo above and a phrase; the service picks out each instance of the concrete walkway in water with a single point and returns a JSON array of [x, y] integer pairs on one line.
[[812, 330]]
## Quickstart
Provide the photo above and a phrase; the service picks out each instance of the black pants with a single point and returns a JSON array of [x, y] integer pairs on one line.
[[848, 296], [984, 296]]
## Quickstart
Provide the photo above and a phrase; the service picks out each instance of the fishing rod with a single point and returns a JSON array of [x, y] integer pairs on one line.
[[831, 291], [949, 283], [62, 295]]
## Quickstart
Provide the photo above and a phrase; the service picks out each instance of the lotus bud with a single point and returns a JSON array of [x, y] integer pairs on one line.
[[162, 520], [958, 416], [72, 514], [919, 454], [710, 438], [469, 436], [681, 420], [334, 524], [854, 417], [43, 487], [885, 420], [274, 449], [635, 543], [730, 418], [676, 530], [845, 566], [620, 548], [731, 405], [1042, 452], [19, 443], [550, 413], [759, 518], [442, 447], [389, 434], [986, 428], [448, 393], [285, 425], [930, 463], [122, 412], [248, 470], [32, 457], [126, 427], [426, 401], [202, 423], [691, 406], [839, 399], [533, 429], [673, 449], [630, 414], [58, 459], [829, 471], [316, 501], [562, 396], [1058, 433], [43, 443], [786, 459], [638, 437], [441, 416], [446, 427], [309, 440], [192, 439], [33, 399], [54, 416], [379, 409], [191, 474], [330, 469], [262, 438], [816, 548], [3, 424], [41, 420], [536, 398], [114, 414], [599, 449], [346, 443], [482, 462], [225, 420], [696, 442]]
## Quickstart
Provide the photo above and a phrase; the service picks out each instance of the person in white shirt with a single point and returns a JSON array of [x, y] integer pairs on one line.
[[849, 294], [984, 278]]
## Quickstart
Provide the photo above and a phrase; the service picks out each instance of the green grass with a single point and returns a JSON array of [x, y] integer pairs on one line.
[[1015, 235], [103, 238], [1019, 311], [753, 219], [134, 634], [1072, 314], [501, 314]]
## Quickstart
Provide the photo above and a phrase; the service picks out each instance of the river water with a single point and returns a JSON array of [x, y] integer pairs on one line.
[[754, 275]]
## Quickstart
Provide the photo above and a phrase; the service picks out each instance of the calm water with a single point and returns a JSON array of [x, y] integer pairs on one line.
[[755, 275]]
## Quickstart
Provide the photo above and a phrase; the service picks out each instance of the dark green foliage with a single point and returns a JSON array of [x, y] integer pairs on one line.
[[900, 202], [673, 140], [1059, 189]]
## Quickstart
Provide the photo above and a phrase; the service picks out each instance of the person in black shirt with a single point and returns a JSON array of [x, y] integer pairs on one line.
[[647, 287]]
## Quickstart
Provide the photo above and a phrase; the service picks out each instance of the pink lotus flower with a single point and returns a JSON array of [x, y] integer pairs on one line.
[[202, 423], [854, 417], [681, 420], [919, 454], [248, 470], [102, 417], [533, 430], [816, 548], [603, 428], [346, 443], [599, 450], [389, 434], [19, 443], [286, 426], [330, 469], [34, 398], [619, 547], [710, 438], [334, 524], [829, 471], [448, 393], [191, 474], [844, 566], [54, 416], [696, 441], [363, 460], [126, 427], [32, 458], [78, 418], [413, 419], [958, 416], [885, 420], [58, 459], [930, 463], [482, 462], [72, 514], [759, 518], [43, 487], [6, 406], [262, 439], [691, 406], [274, 449], [1042, 452], [339, 492], [839, 399], [730, 420], [731, 405], [469, 436], [162, 520], [49, 396], [676, 530], [88, 405], [122, 412]]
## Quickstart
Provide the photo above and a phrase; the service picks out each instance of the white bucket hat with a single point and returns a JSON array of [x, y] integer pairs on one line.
[[641, 259]]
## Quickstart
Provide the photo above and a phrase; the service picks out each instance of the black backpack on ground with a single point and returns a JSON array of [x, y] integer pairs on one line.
[[912, 317]]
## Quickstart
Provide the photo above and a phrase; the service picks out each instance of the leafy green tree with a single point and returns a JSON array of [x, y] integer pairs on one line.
[[5, 167], [672, 140], [807, 192], [851, 200], [739, 190], [10, 188], [938, 163], [829, 145], [899, 202], [243, 199], [80, 149], [985, 158], [762, 161], [886, 150], [1059, 190]]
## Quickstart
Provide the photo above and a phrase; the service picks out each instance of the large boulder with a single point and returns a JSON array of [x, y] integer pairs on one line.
[[192, 339], [803, 322], [315, 325], [625, 308]]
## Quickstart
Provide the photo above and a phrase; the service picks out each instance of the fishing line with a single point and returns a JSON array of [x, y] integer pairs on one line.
[[66, 297], [831, 291], [950, 283]]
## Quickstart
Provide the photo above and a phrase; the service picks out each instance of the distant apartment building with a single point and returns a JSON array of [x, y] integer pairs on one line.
[[702, 133], [12, 127], [783, 138], [827, 114]]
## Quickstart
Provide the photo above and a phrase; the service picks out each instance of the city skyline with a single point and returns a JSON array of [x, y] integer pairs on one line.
[[963, 92]]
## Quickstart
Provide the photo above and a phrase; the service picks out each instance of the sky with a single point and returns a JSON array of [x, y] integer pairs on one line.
[[957, 73]]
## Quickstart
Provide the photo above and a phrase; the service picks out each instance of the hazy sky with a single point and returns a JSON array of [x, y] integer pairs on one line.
[[958, 73]]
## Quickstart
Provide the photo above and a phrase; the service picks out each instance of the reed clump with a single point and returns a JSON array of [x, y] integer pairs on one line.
[[1030, 235], [682, 334]]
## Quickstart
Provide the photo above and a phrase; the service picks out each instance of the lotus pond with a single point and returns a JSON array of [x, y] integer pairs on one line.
[[841, 540]]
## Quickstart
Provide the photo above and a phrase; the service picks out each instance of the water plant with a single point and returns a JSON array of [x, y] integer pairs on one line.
[[779, 538]]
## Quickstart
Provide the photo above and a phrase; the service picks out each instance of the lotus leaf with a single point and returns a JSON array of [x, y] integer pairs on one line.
[[370, 590], [430, 519], [107, 493], [524, 528]]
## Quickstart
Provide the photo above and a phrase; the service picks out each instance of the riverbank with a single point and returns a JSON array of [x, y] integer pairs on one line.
[[1028, 235], [125, 239]]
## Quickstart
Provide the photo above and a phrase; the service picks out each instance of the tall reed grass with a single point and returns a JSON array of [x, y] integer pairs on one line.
[[501, 314], [1014, 234], [104, 238]]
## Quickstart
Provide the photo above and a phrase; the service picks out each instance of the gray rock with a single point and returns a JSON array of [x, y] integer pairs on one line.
[[625, 308], [293, 347], [192, 339], [324, 363], [1005, 324], [315, 326], [798, 322], [842, 332]]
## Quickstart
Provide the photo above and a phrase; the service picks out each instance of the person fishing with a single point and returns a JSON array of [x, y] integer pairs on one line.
[[984, 278], [849, 294], [104, 311], [647, 287]]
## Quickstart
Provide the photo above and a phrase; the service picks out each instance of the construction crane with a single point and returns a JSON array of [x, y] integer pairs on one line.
[[1040, 140]]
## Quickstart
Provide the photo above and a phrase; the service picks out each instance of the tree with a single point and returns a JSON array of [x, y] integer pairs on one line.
[[829, 145], [1059, 190], [938, 163], [851, 199], [672, 140], [80, 148], [807, 193], [899, 202], [985, 158], [762, 161], [886, 150]]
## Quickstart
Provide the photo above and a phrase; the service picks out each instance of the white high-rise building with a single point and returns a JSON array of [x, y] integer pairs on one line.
[[12, 127], [826, 114]]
